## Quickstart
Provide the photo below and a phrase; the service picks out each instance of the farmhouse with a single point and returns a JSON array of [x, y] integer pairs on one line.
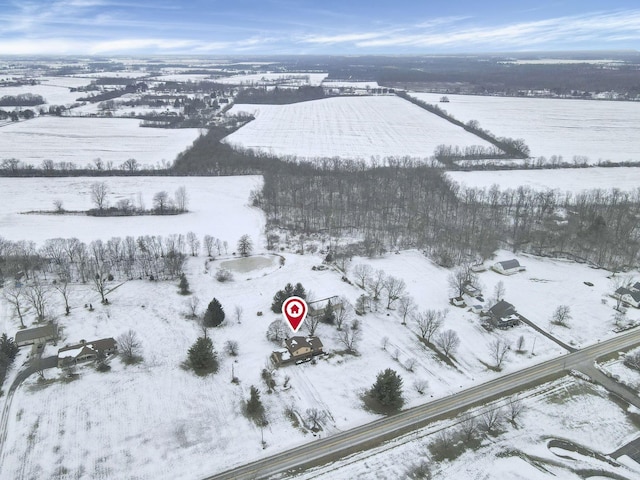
[[85, 351], [630, 297], [503, 315], [508, 267], [36, 336], [297, 349]]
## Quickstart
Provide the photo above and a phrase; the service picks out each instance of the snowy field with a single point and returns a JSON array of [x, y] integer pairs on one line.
[[182, 77], [567, 409], [53, 93], [600, 130], [218, 206], [81, 140], [348, 127], [572, 180], [313, 79]]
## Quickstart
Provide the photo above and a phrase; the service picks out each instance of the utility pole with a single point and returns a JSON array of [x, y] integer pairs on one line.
[[534, 346]]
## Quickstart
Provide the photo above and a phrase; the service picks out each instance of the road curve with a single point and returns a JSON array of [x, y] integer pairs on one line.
[[372, 434]]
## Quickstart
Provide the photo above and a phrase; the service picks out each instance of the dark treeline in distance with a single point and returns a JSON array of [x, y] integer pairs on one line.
[[279, 96]]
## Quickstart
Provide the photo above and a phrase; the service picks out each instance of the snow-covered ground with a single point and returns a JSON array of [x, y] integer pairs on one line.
[[182, 77], [348, 127], [53, 94], [218, 206], [572, 180], [81, 140], [595, 129], [161, 421], [313, 79], [567, 409]]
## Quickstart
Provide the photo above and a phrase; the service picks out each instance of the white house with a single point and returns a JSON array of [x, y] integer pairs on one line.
[[508, 267], [629, 297]]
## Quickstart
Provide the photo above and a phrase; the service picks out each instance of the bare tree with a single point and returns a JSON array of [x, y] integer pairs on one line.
[[15, 297], [181, 199], [468, 427], [448, 341], [231, 347], [193, 303], [384, 342], [209, 244], [311, 324], [99, 272], [376, 284], [342, 312], [277, 331], [515, 408], [315, 417], [428, 323], [492, 419], [394, 288], [362, 273], [57, 204], [194, 244], [349, 338], [632, 360], [161, 201], [520, 344], [237, 311], [245, 245], [498, 349], [420, 385], [406, 306], [129, 347], [460, 277], [65, 290], [37, 296], [561, 315], [410, 364], [99, 192]]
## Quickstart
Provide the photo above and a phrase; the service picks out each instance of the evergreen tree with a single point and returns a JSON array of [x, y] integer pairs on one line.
[[288, 291], [299, 291], [184, 285], [214, 315], [8, 347], [329, 315], [202, 357], [254, 407], [387, 390]]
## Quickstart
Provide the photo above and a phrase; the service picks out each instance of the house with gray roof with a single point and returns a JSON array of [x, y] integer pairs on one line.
[[297, 349], [85, 351], [503, 315]]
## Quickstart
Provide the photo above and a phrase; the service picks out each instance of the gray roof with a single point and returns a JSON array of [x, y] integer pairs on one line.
[[36, 333], [502, 309], [295, 343], [509, 264]]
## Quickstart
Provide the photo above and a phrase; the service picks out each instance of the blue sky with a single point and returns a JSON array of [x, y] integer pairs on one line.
[[322, 27]]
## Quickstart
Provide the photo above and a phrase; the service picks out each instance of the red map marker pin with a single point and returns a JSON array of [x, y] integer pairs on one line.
[[294, 310]]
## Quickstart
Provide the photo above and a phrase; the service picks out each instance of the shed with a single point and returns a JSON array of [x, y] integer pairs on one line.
[[36, 335]]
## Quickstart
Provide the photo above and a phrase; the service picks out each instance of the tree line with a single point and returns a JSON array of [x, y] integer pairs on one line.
[[406, 204]]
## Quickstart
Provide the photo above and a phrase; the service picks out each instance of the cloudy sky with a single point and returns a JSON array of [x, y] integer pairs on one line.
[[301, 26]]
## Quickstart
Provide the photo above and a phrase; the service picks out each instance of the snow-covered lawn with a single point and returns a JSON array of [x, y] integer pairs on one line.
[[572, 180], [348, 127], [218, 206], [81, 140], [347, 84], [567, 409], [595, 129]]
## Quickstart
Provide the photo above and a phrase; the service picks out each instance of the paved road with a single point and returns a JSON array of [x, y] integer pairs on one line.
[[374, 433]]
